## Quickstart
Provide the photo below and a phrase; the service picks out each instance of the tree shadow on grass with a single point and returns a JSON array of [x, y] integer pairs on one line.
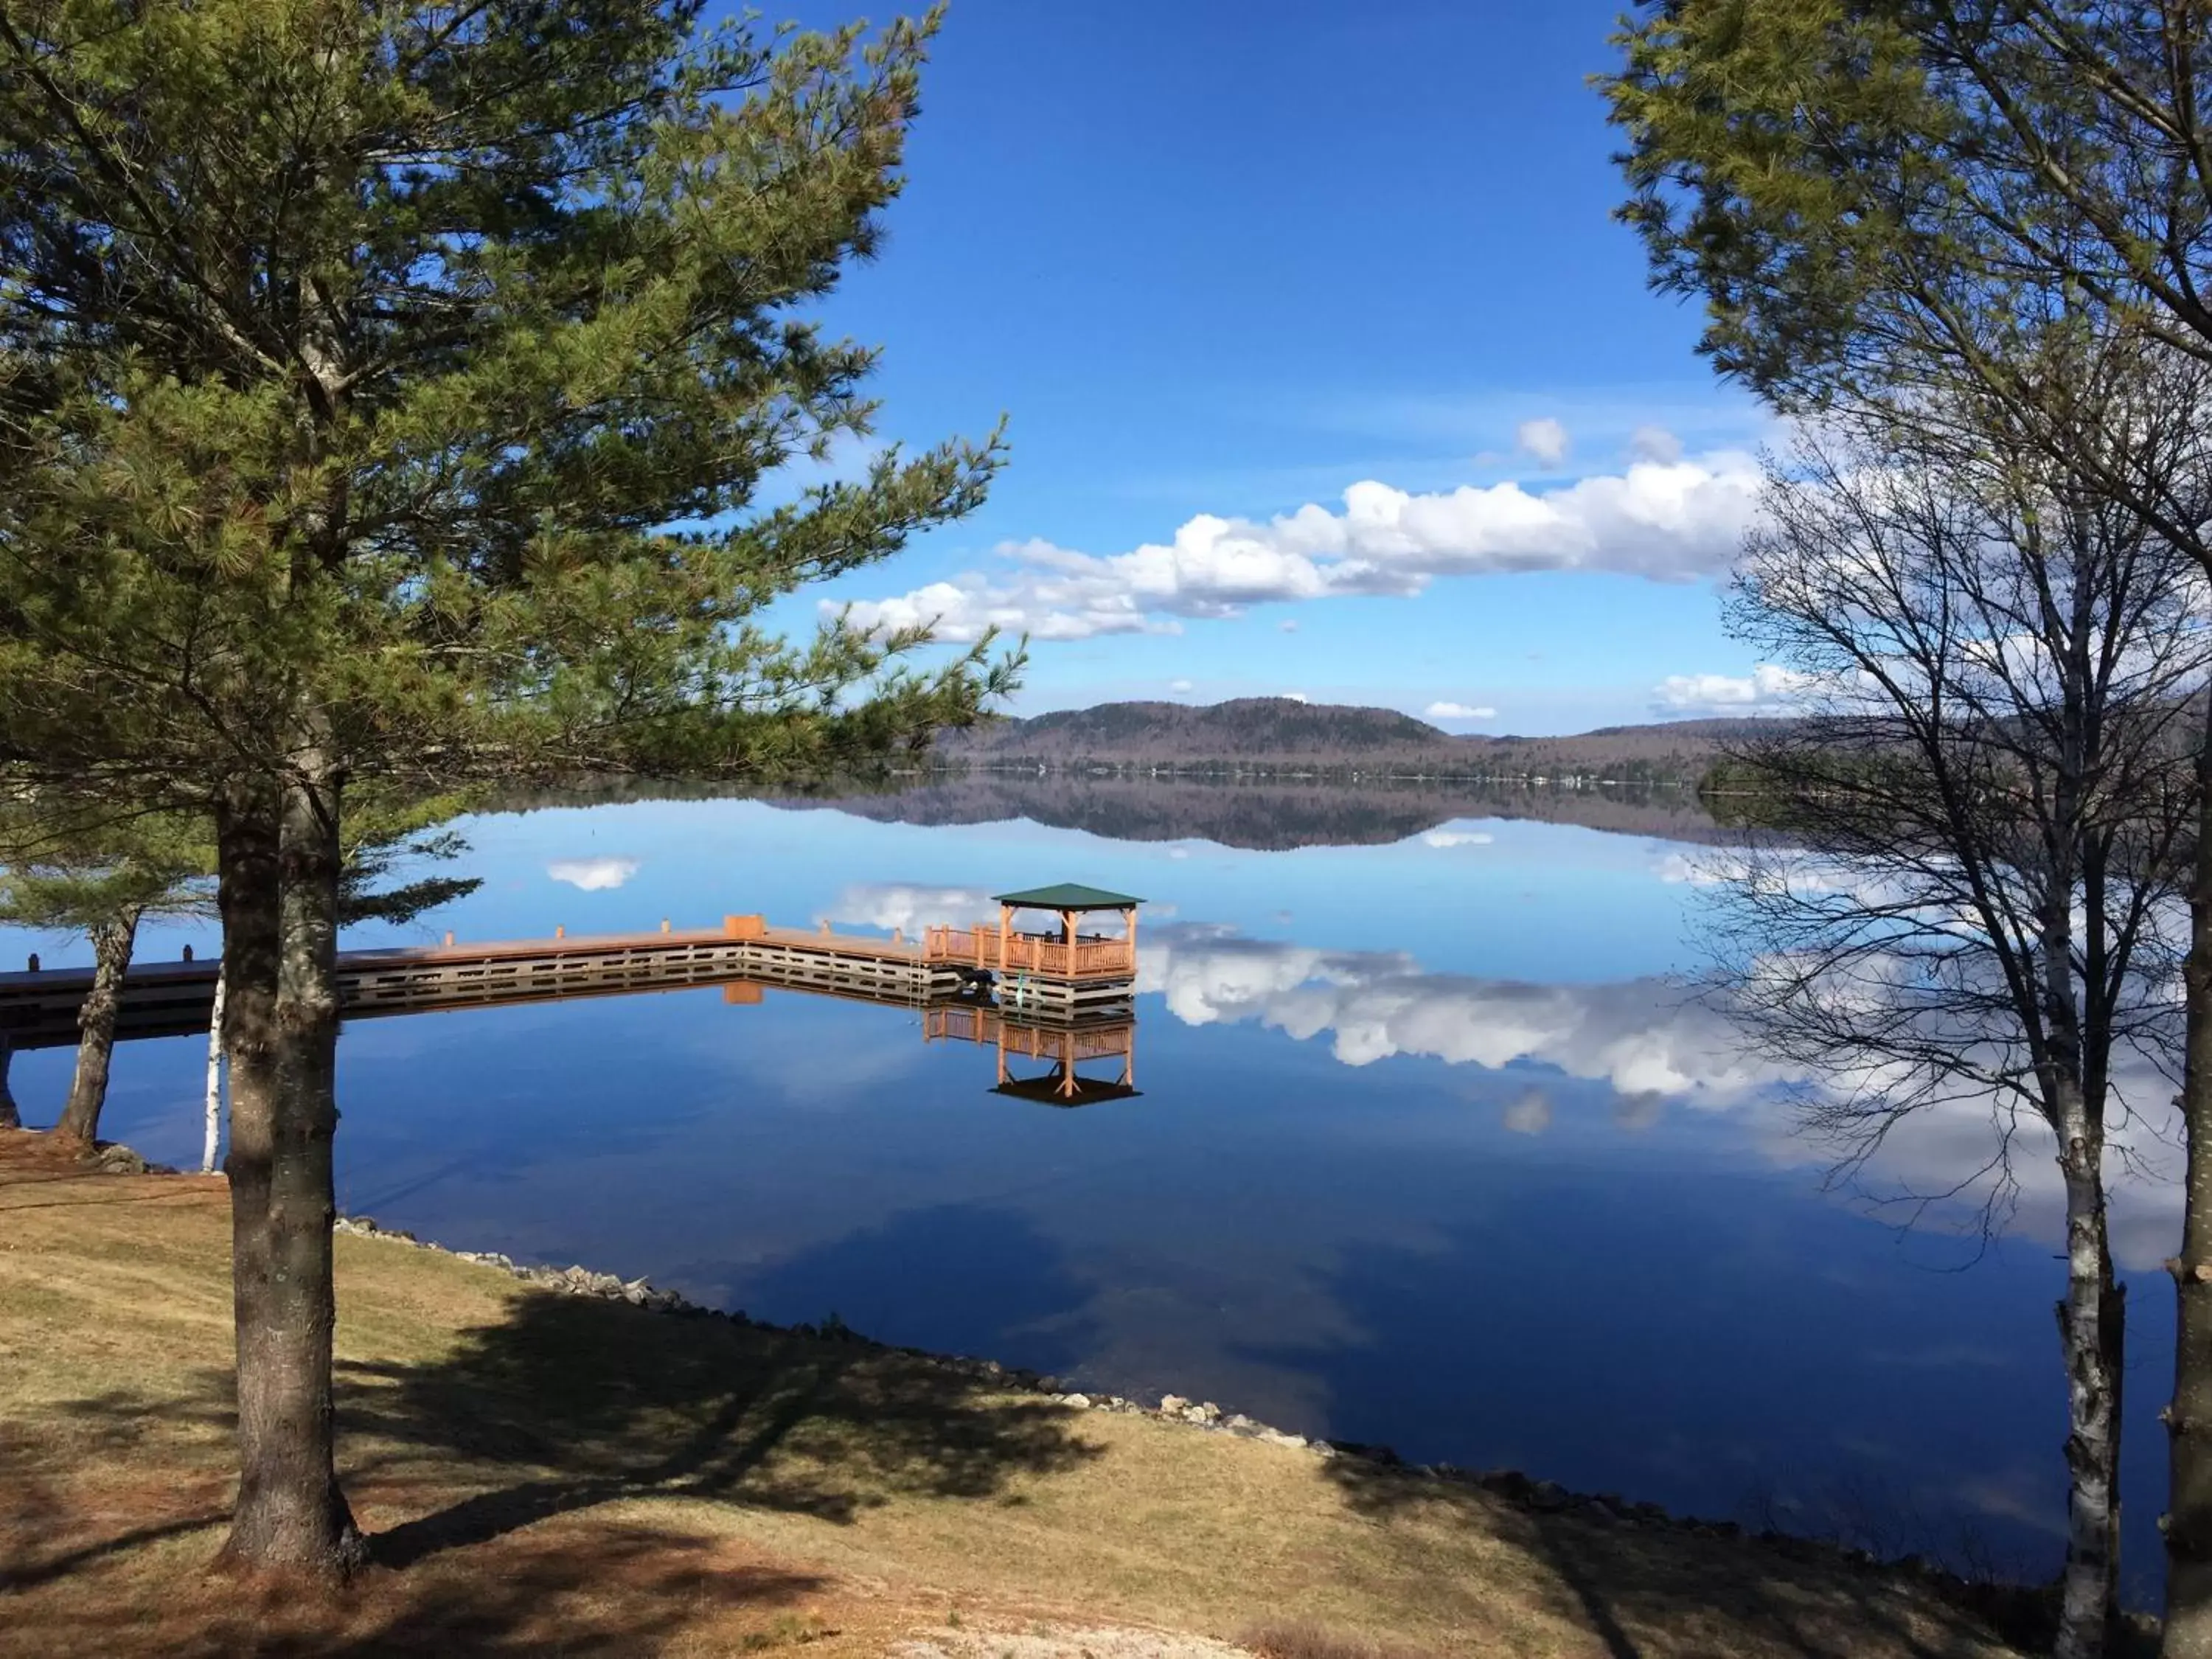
[[496, 1457], [602, 1592], [1654, 1591], [573, 1402], [486, 1472], [44, 1533]]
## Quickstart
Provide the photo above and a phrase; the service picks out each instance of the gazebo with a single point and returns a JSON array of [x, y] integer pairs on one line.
[[1066, 950]]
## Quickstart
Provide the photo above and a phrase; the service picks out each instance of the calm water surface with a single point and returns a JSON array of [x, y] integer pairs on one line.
[[1428, 1151]]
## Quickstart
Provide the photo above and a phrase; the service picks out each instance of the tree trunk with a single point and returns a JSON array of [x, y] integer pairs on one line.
[[112, 944], [2112, 1345], [2088, 1331], [279, 863], [2189, 1418], [211, 1136], [9, 1117]]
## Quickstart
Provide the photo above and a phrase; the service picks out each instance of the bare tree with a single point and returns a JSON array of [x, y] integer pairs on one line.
[[1970, 892]]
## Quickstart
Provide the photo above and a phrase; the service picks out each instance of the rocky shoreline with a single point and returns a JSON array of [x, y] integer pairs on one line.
[[2022, 1613]]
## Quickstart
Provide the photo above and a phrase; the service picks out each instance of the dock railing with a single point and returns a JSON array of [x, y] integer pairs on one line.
[[985, 1026], [980, 947]]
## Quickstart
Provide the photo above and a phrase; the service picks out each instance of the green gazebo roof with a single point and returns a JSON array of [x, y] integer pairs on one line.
[[1070, 896]]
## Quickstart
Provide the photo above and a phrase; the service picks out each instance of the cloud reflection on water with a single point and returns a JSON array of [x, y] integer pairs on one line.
[[593, 875], [1649, 1040], [1653, 1044]]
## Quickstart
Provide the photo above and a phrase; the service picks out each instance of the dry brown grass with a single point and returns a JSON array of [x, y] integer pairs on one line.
[[559, 1476], [1301, 1640]]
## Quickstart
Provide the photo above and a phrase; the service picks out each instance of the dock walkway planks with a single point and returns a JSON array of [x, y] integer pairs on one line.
[[39, 1010]]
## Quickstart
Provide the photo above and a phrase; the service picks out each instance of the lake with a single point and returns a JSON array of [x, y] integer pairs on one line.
[[1428, 1149]]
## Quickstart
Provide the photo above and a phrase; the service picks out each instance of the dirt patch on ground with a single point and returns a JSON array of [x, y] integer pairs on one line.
[[550, 1474]]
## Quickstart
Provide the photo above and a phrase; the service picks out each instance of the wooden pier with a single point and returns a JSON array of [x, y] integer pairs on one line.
[[1064, 976]]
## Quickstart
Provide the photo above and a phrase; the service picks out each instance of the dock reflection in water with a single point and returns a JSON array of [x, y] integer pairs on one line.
[[1112, 1041]]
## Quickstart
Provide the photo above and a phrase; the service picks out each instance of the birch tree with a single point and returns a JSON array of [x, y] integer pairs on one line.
[[1871, 196], [1982, 812]]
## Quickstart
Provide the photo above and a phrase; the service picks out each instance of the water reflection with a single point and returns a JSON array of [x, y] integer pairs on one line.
[[1653, 1044], [1271, 815], [1109, 1047], [1429, 1150]]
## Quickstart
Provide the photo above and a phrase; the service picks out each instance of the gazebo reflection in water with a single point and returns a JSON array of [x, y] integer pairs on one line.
[[1108, 1046]]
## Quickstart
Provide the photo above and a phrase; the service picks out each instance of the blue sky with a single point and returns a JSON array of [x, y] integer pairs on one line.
[[1219, 264]]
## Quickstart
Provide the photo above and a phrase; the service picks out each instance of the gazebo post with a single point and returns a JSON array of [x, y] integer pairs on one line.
[[1067, 920], [1131, 933], [1005, 934]]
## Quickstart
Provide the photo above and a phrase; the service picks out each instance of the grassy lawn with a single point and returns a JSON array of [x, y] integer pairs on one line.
[[555, 1474]]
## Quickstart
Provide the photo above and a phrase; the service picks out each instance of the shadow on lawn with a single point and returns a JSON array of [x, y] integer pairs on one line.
[[610, 1593], [568, 1404], [1646, 1592], [573, 1402]]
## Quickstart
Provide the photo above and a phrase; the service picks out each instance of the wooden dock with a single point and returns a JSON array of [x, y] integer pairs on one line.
[[1064, 977]]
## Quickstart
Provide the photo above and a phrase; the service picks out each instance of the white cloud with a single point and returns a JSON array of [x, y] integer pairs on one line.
[[1544, 440], [1288, 624], [1668, 521], [1444, 838], [1294, 696], [593, 875], [910, 908], [1769, 688], [1654, 444], [1458, 711], [1181, 686]]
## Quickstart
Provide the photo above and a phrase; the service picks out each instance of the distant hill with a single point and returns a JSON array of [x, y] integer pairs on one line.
[[1276, 736]]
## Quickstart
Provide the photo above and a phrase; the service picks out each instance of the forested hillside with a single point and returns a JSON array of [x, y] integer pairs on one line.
[[1281, 735]]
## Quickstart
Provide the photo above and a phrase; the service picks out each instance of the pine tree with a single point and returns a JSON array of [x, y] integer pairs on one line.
[[402, 394]]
